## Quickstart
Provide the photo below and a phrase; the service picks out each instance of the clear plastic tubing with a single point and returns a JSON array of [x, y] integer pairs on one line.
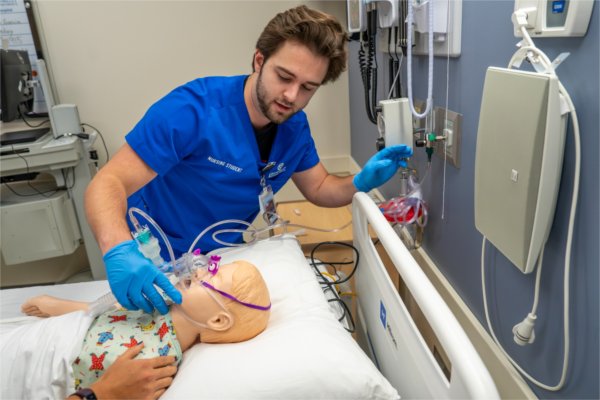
[[160, 231], [101, 304], [226, 221]]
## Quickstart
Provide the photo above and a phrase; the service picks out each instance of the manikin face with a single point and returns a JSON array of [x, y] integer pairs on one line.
[[287, 80], [197, 302]]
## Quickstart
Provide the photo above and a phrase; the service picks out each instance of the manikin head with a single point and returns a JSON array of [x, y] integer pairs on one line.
[[298, 51], [226, 320]]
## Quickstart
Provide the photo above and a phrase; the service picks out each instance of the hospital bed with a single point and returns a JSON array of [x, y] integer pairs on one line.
[[305, 353]]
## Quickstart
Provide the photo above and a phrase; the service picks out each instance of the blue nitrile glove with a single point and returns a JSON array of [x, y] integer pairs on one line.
[[132, 278], [381, 167]]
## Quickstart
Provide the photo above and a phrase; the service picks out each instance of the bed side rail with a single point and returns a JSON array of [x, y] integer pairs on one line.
[[394, 340]]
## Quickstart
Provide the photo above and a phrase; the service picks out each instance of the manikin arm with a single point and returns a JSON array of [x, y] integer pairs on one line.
[[47, 306]]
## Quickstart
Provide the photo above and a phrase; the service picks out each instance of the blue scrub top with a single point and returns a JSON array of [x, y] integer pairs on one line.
[[201, 143]]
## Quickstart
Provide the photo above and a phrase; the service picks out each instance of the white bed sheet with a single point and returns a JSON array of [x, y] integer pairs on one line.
[[36, 358], [303, 354], [11, 299]]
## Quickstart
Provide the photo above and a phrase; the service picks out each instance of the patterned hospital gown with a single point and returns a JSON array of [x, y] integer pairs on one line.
[[113, 332]]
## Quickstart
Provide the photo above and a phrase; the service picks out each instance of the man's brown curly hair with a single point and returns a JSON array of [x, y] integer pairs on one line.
[[319, 31]]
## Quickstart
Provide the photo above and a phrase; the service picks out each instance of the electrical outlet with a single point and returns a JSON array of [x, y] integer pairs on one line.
[[449, 125]]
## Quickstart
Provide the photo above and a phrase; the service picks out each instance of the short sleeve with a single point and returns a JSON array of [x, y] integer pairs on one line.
[[168, 131]]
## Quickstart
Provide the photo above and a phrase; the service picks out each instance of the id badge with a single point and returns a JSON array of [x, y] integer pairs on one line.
[[266, 200]]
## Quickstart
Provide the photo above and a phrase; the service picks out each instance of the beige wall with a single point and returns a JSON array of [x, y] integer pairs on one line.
[[115, 58]]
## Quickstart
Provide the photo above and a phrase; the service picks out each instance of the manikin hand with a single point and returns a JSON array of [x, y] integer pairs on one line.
[[132, 278], [381, 167], [129, 378]]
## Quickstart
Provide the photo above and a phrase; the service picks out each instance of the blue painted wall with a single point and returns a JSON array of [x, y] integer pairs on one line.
[[454, 243]]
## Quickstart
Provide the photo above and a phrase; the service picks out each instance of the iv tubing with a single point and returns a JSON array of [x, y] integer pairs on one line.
[[567, 261], [409, 61], [254, 232], [251, 229]]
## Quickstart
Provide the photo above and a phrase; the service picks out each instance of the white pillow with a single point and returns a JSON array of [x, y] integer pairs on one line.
[[304, 353]]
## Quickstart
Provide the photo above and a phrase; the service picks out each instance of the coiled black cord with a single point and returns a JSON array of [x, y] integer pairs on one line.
[[330, 285], [367, 59]]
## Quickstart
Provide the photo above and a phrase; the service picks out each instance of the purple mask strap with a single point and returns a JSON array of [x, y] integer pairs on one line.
[[225, 294]]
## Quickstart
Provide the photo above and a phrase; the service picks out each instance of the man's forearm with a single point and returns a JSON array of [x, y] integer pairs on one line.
[[334, 191], [105, 208]]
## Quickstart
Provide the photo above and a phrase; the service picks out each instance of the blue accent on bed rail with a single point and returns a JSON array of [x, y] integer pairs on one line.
[[382, 314]]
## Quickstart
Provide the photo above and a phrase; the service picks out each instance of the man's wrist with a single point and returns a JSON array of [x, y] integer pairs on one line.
[[107, 244], [358, 184]]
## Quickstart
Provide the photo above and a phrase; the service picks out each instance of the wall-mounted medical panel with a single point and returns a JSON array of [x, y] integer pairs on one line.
[[447, 26], [518, 163]]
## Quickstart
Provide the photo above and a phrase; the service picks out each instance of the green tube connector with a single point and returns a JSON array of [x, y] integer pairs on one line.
[[143, 236], [429, 151]]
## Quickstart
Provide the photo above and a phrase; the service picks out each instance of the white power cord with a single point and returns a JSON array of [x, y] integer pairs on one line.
[[409, 24], [524, 331], [446, 114]]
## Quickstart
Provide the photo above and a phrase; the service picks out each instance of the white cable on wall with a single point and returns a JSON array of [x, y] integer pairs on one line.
[[409, 24], [389, 96], [446, 113]]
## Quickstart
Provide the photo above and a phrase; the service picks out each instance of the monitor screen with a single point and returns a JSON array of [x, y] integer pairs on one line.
[[16, 96]]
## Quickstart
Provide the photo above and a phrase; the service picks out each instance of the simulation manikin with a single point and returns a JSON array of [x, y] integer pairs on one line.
[[73, 349]]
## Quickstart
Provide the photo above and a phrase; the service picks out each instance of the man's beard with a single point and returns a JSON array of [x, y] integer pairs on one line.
[[261, 96]]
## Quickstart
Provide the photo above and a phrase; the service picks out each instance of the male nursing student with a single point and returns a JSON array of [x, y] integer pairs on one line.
[[207, 150]]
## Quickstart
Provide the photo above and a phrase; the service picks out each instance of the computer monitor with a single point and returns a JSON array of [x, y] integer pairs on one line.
[[16, 93]]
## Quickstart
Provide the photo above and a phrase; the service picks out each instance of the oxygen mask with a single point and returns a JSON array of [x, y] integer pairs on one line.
[[195, 268]]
